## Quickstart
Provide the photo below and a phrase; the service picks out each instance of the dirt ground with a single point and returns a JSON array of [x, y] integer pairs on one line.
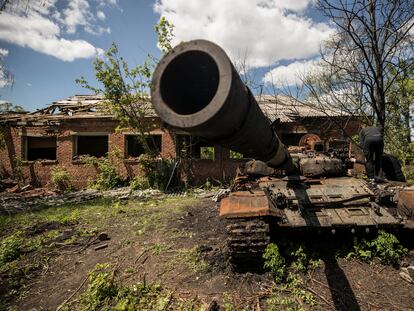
[[179, 243]]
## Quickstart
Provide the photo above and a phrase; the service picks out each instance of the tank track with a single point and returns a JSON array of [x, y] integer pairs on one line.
[[247, 239]]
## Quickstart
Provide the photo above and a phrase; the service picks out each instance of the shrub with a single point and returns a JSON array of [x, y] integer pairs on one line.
[[156, 170], [11, 247], [104, 293], [275, 262], [139, 183], [299, 257], [385, 247], [101, 288], [208, 185], [61, 179], [291, 281], [107, 177]]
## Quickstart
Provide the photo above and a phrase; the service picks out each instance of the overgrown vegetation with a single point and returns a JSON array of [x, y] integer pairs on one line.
[[21, 259], [61, 179], [156, 170], [11, 247], [105, 293], [139, 183], [275, 262], [288, 261], [125, 90], [191, 258], [30, 240], [285, 269], [289, 257], [107, 177], [385, 247]]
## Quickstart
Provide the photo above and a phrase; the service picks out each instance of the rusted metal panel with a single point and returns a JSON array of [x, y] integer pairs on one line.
[[339, 217], [245, 204], [406, 203], [321, 165]]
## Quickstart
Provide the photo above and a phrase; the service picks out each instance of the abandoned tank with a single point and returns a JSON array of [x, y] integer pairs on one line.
[[196, 89]]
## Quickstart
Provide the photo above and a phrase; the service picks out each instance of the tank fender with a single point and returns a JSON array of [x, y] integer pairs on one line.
[[241, 204], [405, 204]]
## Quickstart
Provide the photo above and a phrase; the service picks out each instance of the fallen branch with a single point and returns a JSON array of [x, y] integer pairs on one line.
[[258, 305], [320, 296], [143, 252], [73, 294]]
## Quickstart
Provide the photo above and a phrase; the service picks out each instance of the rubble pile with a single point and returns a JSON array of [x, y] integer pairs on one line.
[[37, 198], [16, 198]]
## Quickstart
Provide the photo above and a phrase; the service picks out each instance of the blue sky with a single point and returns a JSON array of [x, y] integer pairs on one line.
[[47, 47]]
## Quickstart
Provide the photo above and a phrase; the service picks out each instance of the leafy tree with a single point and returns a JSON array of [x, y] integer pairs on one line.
[[399, 119], [126, 89], [363, 60], [165, 32], [126, 93], [7, 107]]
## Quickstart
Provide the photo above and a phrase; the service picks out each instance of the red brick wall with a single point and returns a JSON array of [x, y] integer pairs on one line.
[[39, 172]]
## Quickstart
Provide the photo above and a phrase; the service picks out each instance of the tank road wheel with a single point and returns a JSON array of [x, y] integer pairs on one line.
[[247, 240]]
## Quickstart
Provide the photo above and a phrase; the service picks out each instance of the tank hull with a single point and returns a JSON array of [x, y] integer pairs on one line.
[[331, 203]]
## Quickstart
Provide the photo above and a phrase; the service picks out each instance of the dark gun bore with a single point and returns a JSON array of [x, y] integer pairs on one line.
[[196, 88], [189, 82]]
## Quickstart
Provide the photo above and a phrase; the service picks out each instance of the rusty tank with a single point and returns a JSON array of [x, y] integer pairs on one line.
[[196, 89]]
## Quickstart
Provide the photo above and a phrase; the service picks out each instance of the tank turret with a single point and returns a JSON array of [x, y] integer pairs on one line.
[[196, 88]]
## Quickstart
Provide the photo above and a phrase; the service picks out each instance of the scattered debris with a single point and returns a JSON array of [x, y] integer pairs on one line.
[[14, 201], [103, 237], [26, 188], [102, 246], [222, 193], [13, 189], [407, 274], [7, 183]]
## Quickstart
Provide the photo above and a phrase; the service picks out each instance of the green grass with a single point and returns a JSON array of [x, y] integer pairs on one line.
[[159, 248], [22, 253], [105, 293], [191, 258], [100, 213]]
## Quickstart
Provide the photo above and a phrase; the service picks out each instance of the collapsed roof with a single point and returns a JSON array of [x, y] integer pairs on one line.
[[283, 108]]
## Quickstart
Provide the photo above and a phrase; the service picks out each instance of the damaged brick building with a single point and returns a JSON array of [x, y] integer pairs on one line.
[[80, 125]]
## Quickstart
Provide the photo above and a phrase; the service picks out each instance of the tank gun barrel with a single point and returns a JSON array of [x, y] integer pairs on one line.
[[196, 88]]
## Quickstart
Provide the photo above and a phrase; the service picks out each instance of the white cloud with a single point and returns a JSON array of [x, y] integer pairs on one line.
[[294, 5], [3, 53], [39, 27], [5, 78], [291, 74], [266, 30], [103, 3], [78, 14], [109, 3], [101, 15], [42, 35]]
